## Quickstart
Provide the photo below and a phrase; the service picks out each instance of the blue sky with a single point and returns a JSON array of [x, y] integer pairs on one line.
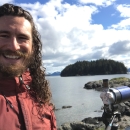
[[77, 30]]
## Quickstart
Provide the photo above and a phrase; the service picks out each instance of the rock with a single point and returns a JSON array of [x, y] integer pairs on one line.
[[64, 107], [88, 86], [86, 124], [66, 126], [93, 124], [115, 82], [93, 85], [60, 128], [57, 109], [81, 126], [90, 120]]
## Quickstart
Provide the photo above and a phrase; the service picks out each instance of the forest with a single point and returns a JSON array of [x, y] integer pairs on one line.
[[97, 67]]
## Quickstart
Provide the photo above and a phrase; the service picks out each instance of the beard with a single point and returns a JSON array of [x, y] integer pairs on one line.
[[13, 70]]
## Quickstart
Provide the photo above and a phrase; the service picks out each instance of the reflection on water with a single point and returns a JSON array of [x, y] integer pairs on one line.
[[68, 91]]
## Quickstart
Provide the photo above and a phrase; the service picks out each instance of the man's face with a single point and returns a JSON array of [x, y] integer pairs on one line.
[[15, 45]]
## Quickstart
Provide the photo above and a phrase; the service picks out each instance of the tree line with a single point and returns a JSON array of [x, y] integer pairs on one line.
[[97, 67]]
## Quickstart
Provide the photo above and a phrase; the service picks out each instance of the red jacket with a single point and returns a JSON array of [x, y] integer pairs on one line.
[[17, 109]]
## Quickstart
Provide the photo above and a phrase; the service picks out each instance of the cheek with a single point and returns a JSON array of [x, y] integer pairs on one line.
[[26, 48], [4, 43]]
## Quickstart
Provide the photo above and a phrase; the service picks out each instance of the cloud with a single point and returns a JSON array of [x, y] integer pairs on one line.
[[63, 29], [123, 25], [120, 48], [6, 1], [125, 15], [120, 51], [124, 10], [98, 2]]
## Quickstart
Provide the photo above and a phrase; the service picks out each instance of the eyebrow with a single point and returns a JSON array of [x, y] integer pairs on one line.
[[4, 31]]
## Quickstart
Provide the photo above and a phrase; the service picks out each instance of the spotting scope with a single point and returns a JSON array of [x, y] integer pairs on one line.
[[112, 97], [116, 95], [119, 94]]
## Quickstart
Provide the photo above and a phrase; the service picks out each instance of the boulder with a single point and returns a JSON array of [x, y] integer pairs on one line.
[[64, 107]]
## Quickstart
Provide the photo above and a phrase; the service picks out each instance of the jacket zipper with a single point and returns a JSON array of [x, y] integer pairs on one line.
[[21, 81]]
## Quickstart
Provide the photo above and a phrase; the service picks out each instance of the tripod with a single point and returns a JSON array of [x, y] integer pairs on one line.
[[114, 126], [111, 118]]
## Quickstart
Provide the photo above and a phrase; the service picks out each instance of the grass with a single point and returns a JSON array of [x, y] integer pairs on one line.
[[120, 80]]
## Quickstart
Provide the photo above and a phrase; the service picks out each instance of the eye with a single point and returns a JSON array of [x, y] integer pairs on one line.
[[4, 35], [23, 37]]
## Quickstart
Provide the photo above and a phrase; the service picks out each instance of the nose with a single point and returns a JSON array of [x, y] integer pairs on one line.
[[13, 44]]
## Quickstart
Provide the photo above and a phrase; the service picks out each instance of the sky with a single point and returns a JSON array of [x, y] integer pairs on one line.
[[80, 30]]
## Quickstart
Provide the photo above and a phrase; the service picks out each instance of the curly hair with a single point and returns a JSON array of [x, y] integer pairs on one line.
[[39, 85]]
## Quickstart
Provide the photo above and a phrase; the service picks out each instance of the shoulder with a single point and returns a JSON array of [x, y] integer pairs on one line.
[[49, 107]]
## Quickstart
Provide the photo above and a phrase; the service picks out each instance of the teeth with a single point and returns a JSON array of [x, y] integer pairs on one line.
[[11, 57]]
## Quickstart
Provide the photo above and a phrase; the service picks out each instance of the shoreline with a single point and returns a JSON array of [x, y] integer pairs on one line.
[[95, 123]]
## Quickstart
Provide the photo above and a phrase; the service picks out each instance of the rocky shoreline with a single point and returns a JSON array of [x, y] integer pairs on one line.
[[96, 122]]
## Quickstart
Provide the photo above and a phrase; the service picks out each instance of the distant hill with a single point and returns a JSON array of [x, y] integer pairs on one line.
[[53, 74], [129, 70], [98, 67]]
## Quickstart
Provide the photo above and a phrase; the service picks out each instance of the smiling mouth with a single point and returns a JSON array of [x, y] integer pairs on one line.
[[11, 56]]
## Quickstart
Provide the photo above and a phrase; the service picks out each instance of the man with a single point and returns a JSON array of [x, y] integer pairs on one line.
[[24, 91]]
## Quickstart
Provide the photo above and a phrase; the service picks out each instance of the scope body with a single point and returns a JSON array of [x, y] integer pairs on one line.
[[120, 94]]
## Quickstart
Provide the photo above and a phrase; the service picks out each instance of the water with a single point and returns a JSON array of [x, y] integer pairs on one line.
[[68, 91]]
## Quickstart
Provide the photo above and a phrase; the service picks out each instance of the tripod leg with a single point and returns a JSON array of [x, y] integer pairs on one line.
[[110, 125]]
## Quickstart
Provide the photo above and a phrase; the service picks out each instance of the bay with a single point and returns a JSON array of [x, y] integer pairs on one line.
[[69, 91]]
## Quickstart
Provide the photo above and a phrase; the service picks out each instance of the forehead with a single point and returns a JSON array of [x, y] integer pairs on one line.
[[15, 23]]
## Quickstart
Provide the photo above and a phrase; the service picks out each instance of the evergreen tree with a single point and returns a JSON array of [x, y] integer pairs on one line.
[[98, 67]]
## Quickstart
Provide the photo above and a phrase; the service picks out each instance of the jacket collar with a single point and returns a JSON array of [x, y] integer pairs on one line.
[[10, 84]]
